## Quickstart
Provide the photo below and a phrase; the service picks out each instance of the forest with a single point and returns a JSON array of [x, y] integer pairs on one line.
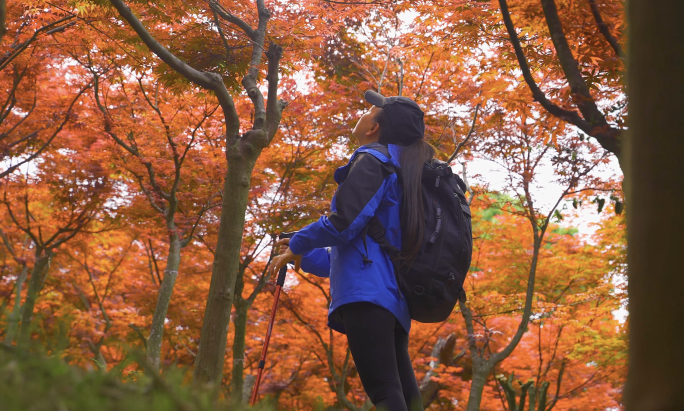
[[152, 151]]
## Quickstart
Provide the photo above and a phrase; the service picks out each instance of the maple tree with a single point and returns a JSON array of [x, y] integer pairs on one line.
[[577, 42], [165, 189], [49, 206], [241, 152], [29, 119]]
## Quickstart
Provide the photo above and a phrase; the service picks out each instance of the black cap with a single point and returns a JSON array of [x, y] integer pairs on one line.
[[404, 115]]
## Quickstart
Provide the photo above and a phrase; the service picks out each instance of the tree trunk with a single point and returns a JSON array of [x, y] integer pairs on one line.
[[654, 185], [15, 315], [154, 343], [40, 268], [212, 346], [480, 373], [237, 378], [99, 359]]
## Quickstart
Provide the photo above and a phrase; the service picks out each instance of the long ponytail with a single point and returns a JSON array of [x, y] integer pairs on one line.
[[412, 212]]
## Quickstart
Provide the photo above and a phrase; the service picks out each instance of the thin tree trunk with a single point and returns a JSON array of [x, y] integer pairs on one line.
[[96, 349], [654, 187], [477, 385], [239, 383], [154, 343], [212, 347], [240, 321], [15, 315], [40, 268], [101, 362], [247, 387]]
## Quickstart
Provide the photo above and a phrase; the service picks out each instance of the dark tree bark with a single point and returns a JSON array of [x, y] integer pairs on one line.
[[38, 273], [654, 186]]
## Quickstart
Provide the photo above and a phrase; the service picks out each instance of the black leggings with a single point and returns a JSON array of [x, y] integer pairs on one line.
[[379, 346]]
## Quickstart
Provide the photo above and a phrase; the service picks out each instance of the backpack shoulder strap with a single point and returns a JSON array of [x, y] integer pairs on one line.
[[377, 232]]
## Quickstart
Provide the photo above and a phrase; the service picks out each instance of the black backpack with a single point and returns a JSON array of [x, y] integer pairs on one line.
[[434, 282]]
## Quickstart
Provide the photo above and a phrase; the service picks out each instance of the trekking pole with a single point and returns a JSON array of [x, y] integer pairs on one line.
[[262, 361]]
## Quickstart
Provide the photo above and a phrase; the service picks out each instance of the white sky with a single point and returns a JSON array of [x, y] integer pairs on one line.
[[546, 192]]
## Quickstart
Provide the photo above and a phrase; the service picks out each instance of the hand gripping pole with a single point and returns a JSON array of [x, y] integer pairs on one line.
[[262, 361]]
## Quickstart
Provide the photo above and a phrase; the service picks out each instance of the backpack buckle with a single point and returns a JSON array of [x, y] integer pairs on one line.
[[376, 230], [376, 233]]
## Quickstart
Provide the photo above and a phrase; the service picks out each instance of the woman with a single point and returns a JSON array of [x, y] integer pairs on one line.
[[366, 304]]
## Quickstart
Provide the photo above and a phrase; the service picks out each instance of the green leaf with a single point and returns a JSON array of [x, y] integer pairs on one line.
[[558, 215], [601, 202]]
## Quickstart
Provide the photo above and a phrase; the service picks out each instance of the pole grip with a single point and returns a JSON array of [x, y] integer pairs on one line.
[[281, 276], [283, 271]]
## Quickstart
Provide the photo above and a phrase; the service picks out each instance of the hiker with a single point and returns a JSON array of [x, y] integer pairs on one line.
[[367, 304]]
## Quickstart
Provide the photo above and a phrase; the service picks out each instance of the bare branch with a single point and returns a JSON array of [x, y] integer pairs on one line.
[[468, 317], [603, 28], [25, 138], [250, 80], [67, 117], [566, 115], [205, 116], [19, 48], [287, 304], [465, 140], [274, 109], [581, 95], [149, 195], [231, 18], [422, 80], [220, 31], [204, 209], [203, 79], [209, 81], [11, 95], [133, 150], [464, 165], [595, 124], [400, 77], [18, 123], [154, 260], [174, 149], [384, 70]]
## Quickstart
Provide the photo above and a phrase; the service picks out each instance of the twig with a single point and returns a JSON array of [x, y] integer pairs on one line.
[[465, 140]]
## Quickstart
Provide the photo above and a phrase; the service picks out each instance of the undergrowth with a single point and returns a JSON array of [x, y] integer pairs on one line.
[[35, 382]]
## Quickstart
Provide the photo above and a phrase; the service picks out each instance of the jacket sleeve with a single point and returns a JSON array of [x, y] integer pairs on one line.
[[353, 205], [317, 262]]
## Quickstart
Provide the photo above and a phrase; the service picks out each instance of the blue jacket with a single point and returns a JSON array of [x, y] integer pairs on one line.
[[333, 246]]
